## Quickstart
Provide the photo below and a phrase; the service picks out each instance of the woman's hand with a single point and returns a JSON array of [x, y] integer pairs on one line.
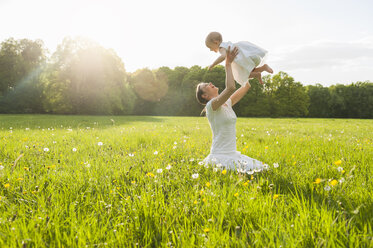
[[231, 55]]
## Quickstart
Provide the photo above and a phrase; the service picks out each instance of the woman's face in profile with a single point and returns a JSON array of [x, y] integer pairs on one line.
[[210, 90]]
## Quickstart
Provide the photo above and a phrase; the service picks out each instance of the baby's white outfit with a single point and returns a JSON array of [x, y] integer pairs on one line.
[[249, 56]]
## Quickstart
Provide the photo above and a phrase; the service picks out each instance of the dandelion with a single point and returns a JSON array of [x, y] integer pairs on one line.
[[275, 196], [338, 162], [204, 199], [246, 183], [236, 194], [327, 188], [7, 185], [275, 165], [149, 174], [343, 171], [195, 176], [156, 152], [224, 172], [159, 171], [100, 143], [195, 202], [340, 169], [333, 182], [317, 181], [206, 230], [46, 149], [208, 184], [133, 182], [266, 147], [20, 179]]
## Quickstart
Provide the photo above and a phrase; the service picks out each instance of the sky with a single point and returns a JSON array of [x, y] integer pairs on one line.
[[320, 41]]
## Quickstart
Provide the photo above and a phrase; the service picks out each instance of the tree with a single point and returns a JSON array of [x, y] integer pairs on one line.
[[319, 101], [85, 78]]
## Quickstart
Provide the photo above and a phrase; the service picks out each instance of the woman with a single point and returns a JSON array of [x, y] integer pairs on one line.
[[222, 121]]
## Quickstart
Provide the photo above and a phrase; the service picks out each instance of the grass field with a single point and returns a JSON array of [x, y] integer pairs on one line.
[[100, 181]]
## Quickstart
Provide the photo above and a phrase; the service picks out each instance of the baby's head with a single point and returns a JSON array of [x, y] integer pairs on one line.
[[213, 41]]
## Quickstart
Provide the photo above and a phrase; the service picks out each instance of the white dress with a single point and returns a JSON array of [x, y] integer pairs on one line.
[[249, 56], [223, 151]]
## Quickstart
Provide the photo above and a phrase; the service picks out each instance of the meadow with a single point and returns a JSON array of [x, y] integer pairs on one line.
[[132, 181]]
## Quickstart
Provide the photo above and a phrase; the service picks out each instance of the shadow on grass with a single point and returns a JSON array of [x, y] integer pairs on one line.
[[72, 121]]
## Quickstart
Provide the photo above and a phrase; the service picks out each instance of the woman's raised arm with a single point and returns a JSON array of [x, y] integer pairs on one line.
[[230, 86]]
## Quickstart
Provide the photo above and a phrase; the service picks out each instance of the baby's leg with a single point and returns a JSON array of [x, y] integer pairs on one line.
[[263, 68], [258, 75]]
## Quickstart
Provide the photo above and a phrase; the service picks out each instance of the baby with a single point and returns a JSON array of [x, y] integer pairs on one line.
[[247, 64]]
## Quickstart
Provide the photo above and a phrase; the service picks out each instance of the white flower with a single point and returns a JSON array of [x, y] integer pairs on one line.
[[340, 169], [275, 165], [74, 149], [27, 128], [342, 180], [174, 147], [46, 149], [191, 160], [156, 152], [10, 128], [159, 171], [168, 167], [201, 163], [265, 166], [131, 154], [327, 188], [100, 143], [219, 165], [215, 170], [1, 167], [175, 143], [195, 176]]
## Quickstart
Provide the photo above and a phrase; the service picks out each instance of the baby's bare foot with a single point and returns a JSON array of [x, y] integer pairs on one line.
[[267, 68]]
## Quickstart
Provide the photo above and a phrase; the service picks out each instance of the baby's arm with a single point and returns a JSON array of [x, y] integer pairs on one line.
[[220, 59]]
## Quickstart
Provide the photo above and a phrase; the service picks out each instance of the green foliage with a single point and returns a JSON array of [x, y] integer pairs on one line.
[[110, 191]]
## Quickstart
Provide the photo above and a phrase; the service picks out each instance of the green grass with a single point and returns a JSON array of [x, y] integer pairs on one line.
[[112, 195]]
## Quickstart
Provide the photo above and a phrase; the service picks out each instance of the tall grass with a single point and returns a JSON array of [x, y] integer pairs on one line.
[[99, 181]]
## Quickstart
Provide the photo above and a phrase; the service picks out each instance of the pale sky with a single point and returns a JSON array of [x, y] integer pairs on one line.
[[319, 41]]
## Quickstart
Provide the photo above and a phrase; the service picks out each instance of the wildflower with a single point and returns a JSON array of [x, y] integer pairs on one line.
[[206, 230], [74, 149], [327, 188], [156, 152], [7, 185], [236, 194], [159, 171], [340, 169], [333, 182], [46, 149], [168, 167], [338, 162], [201, 163], [133, 182], [100, 143], [195, 176], [275, 196], [1, 167], [342, 180], [208, 184], [20, 179], [131, 154], [246, 183], [195, 202], [275, 165], [224, 172], [149, 174], [343, 171], [201, 192], [317, 181], [266, 147], [204, 199]]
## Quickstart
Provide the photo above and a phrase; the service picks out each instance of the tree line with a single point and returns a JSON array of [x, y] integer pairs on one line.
[[82, 77]]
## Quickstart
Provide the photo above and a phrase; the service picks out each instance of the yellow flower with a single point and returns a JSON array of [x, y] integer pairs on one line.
[[204, 199], [246, 183], [317, 181], [118, 188], [275, 196], [266, 147], [195, 202], [208, 184], [133, 182], [26, 168], [224, 172], [7, 185], [338, 162], [33, 192], [201, 192], [149, 174], [206, 230], [252, 177], [236, 194], [333, 182], [343, 171], [19, 179]]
